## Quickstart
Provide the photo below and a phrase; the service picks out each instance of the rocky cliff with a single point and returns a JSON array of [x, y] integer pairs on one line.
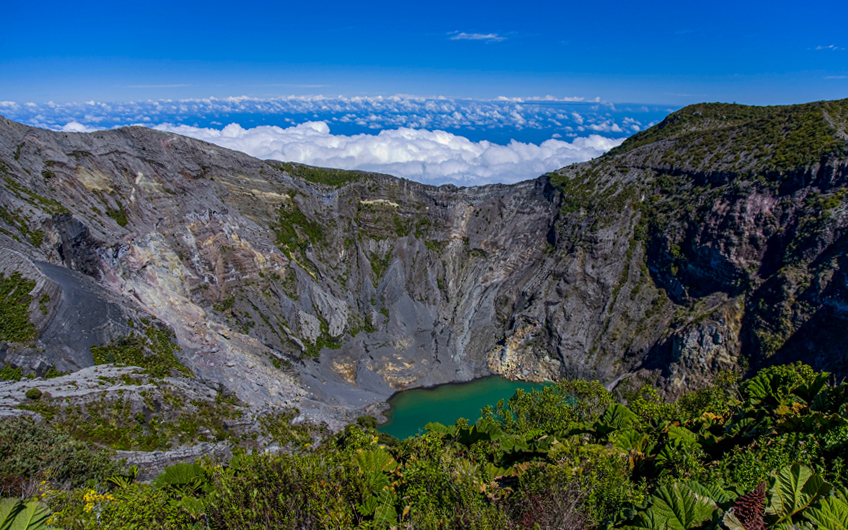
[[714, 238]]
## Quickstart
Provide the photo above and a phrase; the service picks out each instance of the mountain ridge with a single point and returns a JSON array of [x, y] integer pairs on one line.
[[670, 258]]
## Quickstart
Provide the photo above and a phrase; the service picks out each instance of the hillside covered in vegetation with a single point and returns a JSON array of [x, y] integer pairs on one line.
[[768, 452]]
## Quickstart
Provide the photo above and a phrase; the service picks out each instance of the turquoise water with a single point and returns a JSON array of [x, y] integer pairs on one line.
[[413, 409]]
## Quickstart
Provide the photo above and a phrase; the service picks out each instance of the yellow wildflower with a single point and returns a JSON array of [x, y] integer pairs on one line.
[[92, 499]]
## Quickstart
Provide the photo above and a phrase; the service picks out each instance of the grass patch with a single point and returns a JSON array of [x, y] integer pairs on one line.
[[119, 215], [15, 324], [154, 351], [330, 177], [7, 373], [295, 231]]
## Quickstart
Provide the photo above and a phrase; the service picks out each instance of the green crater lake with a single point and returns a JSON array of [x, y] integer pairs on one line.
[[413, 409]]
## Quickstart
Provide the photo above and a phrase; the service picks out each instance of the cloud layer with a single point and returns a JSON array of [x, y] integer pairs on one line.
[[569, 117], [428, 139], [434, 157]]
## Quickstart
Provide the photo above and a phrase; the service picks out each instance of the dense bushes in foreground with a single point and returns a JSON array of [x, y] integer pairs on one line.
[[767, 452]]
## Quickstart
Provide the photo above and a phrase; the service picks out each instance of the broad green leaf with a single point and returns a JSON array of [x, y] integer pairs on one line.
[[514, 443], [829, 514], [731, 522], [714, 492], [438, 428], [795, 488], [489, 428], [810, 389], [385, 511], [647, 520], [181, 474], [491, 472], [33, 517], [773, 386], [678, 508], [375, 461], [786, 525], [746, 427], [368, 506], [758, 388], [9, 508], [617, 417], [632, 440], [666, 455], [682, 436]]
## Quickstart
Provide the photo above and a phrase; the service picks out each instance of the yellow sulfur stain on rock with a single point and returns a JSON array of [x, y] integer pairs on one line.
[[94, 180]]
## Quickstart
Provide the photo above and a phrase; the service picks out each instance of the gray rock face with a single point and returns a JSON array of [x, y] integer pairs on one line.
[[152, 463], [329, 298]]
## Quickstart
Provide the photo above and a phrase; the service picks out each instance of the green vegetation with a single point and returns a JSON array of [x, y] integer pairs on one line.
[[42, 303], [324, 340], [279, 429], [119, 215], [52, 372], [779, 139], [225, 304], [331, 177], [295, 231], [18, 515], [379, 265], [31, 450], [33, 394], [22, 192], [382, 220], [433, 246], [112, 423], [769, 452], [14, 219], [402, 226], [585, 192], [7, 373], [15, 324], [154, 351], [36, 237], [164, 418], [422, 227]]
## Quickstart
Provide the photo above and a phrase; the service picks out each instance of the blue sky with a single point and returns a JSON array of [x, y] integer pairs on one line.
[[440, 91], [664, 52]]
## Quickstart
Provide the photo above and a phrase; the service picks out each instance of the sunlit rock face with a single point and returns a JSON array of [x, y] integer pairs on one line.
[[333, 291]]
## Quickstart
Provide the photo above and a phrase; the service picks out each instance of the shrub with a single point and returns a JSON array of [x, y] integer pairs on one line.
[[155, 352], [134, 507], [367, 421], [7, 373], [15, 325], [32, 450], [33, 394]]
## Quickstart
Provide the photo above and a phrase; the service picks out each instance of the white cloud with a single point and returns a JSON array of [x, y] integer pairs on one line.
[[606, 126], [831, 47], [434, 157], [77, 127], [490, 37]]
